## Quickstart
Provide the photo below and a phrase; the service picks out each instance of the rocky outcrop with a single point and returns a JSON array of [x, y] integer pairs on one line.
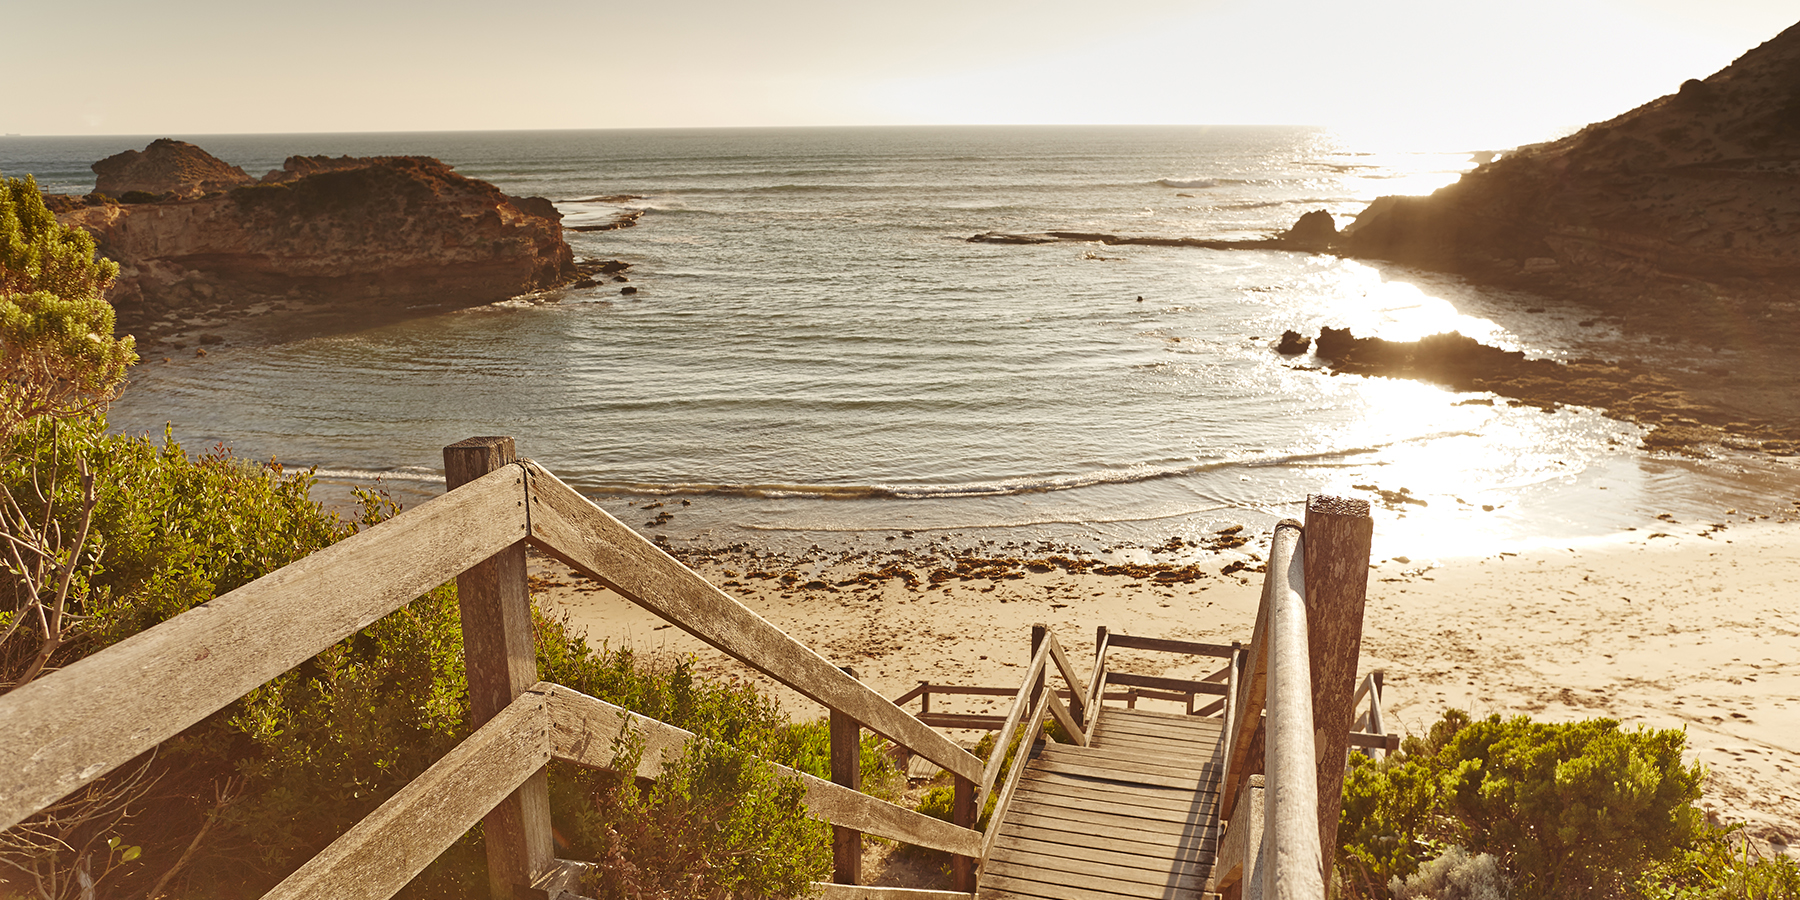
[[1315, 230], [1677, 419], [166, 167], [1682, 215], [364, 240]]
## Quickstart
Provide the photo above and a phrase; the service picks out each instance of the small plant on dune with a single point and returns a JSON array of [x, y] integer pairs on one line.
[[1454, 875], [1723, 865]]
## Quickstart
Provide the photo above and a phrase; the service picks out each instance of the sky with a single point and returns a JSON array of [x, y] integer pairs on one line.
[[1489, 73]]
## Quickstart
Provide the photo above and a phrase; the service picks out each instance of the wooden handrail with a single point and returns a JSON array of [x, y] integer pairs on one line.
[[1021, 699], [1102, 642], [571, 528], [1247, 703], [1295, 861], [586, 731], [74, 725], [1012, 776], [1173, 685], [1077, 700], [380, 854], [1167, 645]]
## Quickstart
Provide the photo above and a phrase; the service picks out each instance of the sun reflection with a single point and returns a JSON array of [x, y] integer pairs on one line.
[[1451, 469], [1373, 306]]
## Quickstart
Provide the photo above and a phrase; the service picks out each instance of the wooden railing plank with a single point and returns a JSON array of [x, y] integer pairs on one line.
[[380, 854], [566, 525], [1033, 722], [1067, 721], [1076, 690], [1167, 645], [1296, 861], [1251, 694], [1021, 700], [1177, 685], [1095, 694], [586, 731], [68, 728]]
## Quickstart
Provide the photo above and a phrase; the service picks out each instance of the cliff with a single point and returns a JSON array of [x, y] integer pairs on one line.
[[1680, 216], [362, 240]]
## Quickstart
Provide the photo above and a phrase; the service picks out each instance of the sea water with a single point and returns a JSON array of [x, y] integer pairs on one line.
[[817, 355]]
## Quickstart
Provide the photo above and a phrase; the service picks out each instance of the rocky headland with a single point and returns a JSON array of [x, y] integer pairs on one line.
[[1681, 215], [320, 244], [1678, 220]]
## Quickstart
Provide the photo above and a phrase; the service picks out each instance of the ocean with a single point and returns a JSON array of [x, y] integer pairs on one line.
[[818, 357]]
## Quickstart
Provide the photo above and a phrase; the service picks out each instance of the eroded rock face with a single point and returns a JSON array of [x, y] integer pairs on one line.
[[1685, 209], [166, 167], [366, 239]]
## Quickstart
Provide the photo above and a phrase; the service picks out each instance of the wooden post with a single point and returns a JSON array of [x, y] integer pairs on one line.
[[962, 812], [1338, 534], [501, 662], [1038, 630], [846, 769]]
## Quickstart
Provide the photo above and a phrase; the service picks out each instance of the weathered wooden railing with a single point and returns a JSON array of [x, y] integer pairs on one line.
[[69, 728], [926, 690], [1182, 690], [1288, 720], [1041, 700], [1371, 726]]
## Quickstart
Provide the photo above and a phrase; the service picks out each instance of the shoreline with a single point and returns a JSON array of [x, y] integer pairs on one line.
[[1682, 628]]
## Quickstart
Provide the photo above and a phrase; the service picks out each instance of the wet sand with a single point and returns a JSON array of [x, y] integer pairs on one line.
[[1694, 625]]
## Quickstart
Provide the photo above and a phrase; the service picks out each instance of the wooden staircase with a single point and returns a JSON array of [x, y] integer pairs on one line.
[[1134, 814]]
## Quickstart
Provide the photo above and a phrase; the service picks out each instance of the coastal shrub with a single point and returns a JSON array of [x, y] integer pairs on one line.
[[58, 355], [168, 531], [1569, 810]]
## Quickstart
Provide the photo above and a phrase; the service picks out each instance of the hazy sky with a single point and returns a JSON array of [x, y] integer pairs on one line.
[[1489, 72]]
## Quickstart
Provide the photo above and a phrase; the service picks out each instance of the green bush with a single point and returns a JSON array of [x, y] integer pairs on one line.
[[1576, 809], [717, 822], [272, 779], [58, 354]]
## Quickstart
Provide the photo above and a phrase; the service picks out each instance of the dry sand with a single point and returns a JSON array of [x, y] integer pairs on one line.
[[1696, 626]]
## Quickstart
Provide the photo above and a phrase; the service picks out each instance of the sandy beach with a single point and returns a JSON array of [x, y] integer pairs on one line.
[[1692, 626]]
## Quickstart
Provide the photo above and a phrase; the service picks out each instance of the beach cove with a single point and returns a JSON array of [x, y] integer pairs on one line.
[[817, 369]]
